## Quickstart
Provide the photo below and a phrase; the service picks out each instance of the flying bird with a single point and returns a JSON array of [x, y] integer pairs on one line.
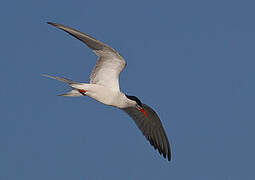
[[104, 87]]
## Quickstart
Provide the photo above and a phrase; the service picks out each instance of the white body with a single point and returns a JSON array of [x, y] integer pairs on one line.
[[104, 87], [105, 95]]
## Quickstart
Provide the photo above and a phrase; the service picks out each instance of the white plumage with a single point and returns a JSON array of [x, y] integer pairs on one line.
[[104, 87]]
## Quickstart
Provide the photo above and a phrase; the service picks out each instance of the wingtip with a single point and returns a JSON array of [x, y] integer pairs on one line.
[[169, 156], [52, 23]]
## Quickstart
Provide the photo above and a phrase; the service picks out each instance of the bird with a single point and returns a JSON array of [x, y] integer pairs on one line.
[[104, 87]]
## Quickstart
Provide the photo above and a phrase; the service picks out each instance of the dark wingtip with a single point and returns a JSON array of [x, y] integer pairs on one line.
[[169, 156], [51, 23]]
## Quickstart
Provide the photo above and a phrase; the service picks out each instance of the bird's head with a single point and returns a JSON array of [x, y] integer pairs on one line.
[[137, 103]]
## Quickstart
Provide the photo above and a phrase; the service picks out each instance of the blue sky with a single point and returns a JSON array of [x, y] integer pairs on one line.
[[192, 61]]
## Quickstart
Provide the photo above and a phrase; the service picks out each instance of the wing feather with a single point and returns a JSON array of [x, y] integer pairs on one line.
[[110, 63], [152, 129]]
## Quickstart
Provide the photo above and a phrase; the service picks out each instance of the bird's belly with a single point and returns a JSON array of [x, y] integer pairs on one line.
[[103, 95]]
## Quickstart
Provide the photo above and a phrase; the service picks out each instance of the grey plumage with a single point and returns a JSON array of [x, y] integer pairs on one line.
[[104, 87], [151, 128]]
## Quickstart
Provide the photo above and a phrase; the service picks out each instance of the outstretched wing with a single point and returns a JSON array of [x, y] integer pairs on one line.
[[151, 128], [109, 64]]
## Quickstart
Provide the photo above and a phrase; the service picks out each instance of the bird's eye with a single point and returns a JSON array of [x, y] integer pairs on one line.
[[139, 104], [133, 98]]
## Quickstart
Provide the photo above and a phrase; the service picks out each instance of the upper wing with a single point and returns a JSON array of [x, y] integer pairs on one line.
[[151, 128], [110, 63]]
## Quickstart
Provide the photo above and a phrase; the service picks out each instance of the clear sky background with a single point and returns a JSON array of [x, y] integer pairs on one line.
[[192, 61]]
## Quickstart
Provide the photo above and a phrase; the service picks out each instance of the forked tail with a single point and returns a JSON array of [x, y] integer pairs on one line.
[[68, 81], [74, 92]]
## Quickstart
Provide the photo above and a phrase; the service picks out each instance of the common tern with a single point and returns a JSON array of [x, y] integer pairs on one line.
[[104, 87]]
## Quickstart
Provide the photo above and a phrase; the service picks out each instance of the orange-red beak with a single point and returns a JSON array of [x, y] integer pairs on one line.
[[144, 112]]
